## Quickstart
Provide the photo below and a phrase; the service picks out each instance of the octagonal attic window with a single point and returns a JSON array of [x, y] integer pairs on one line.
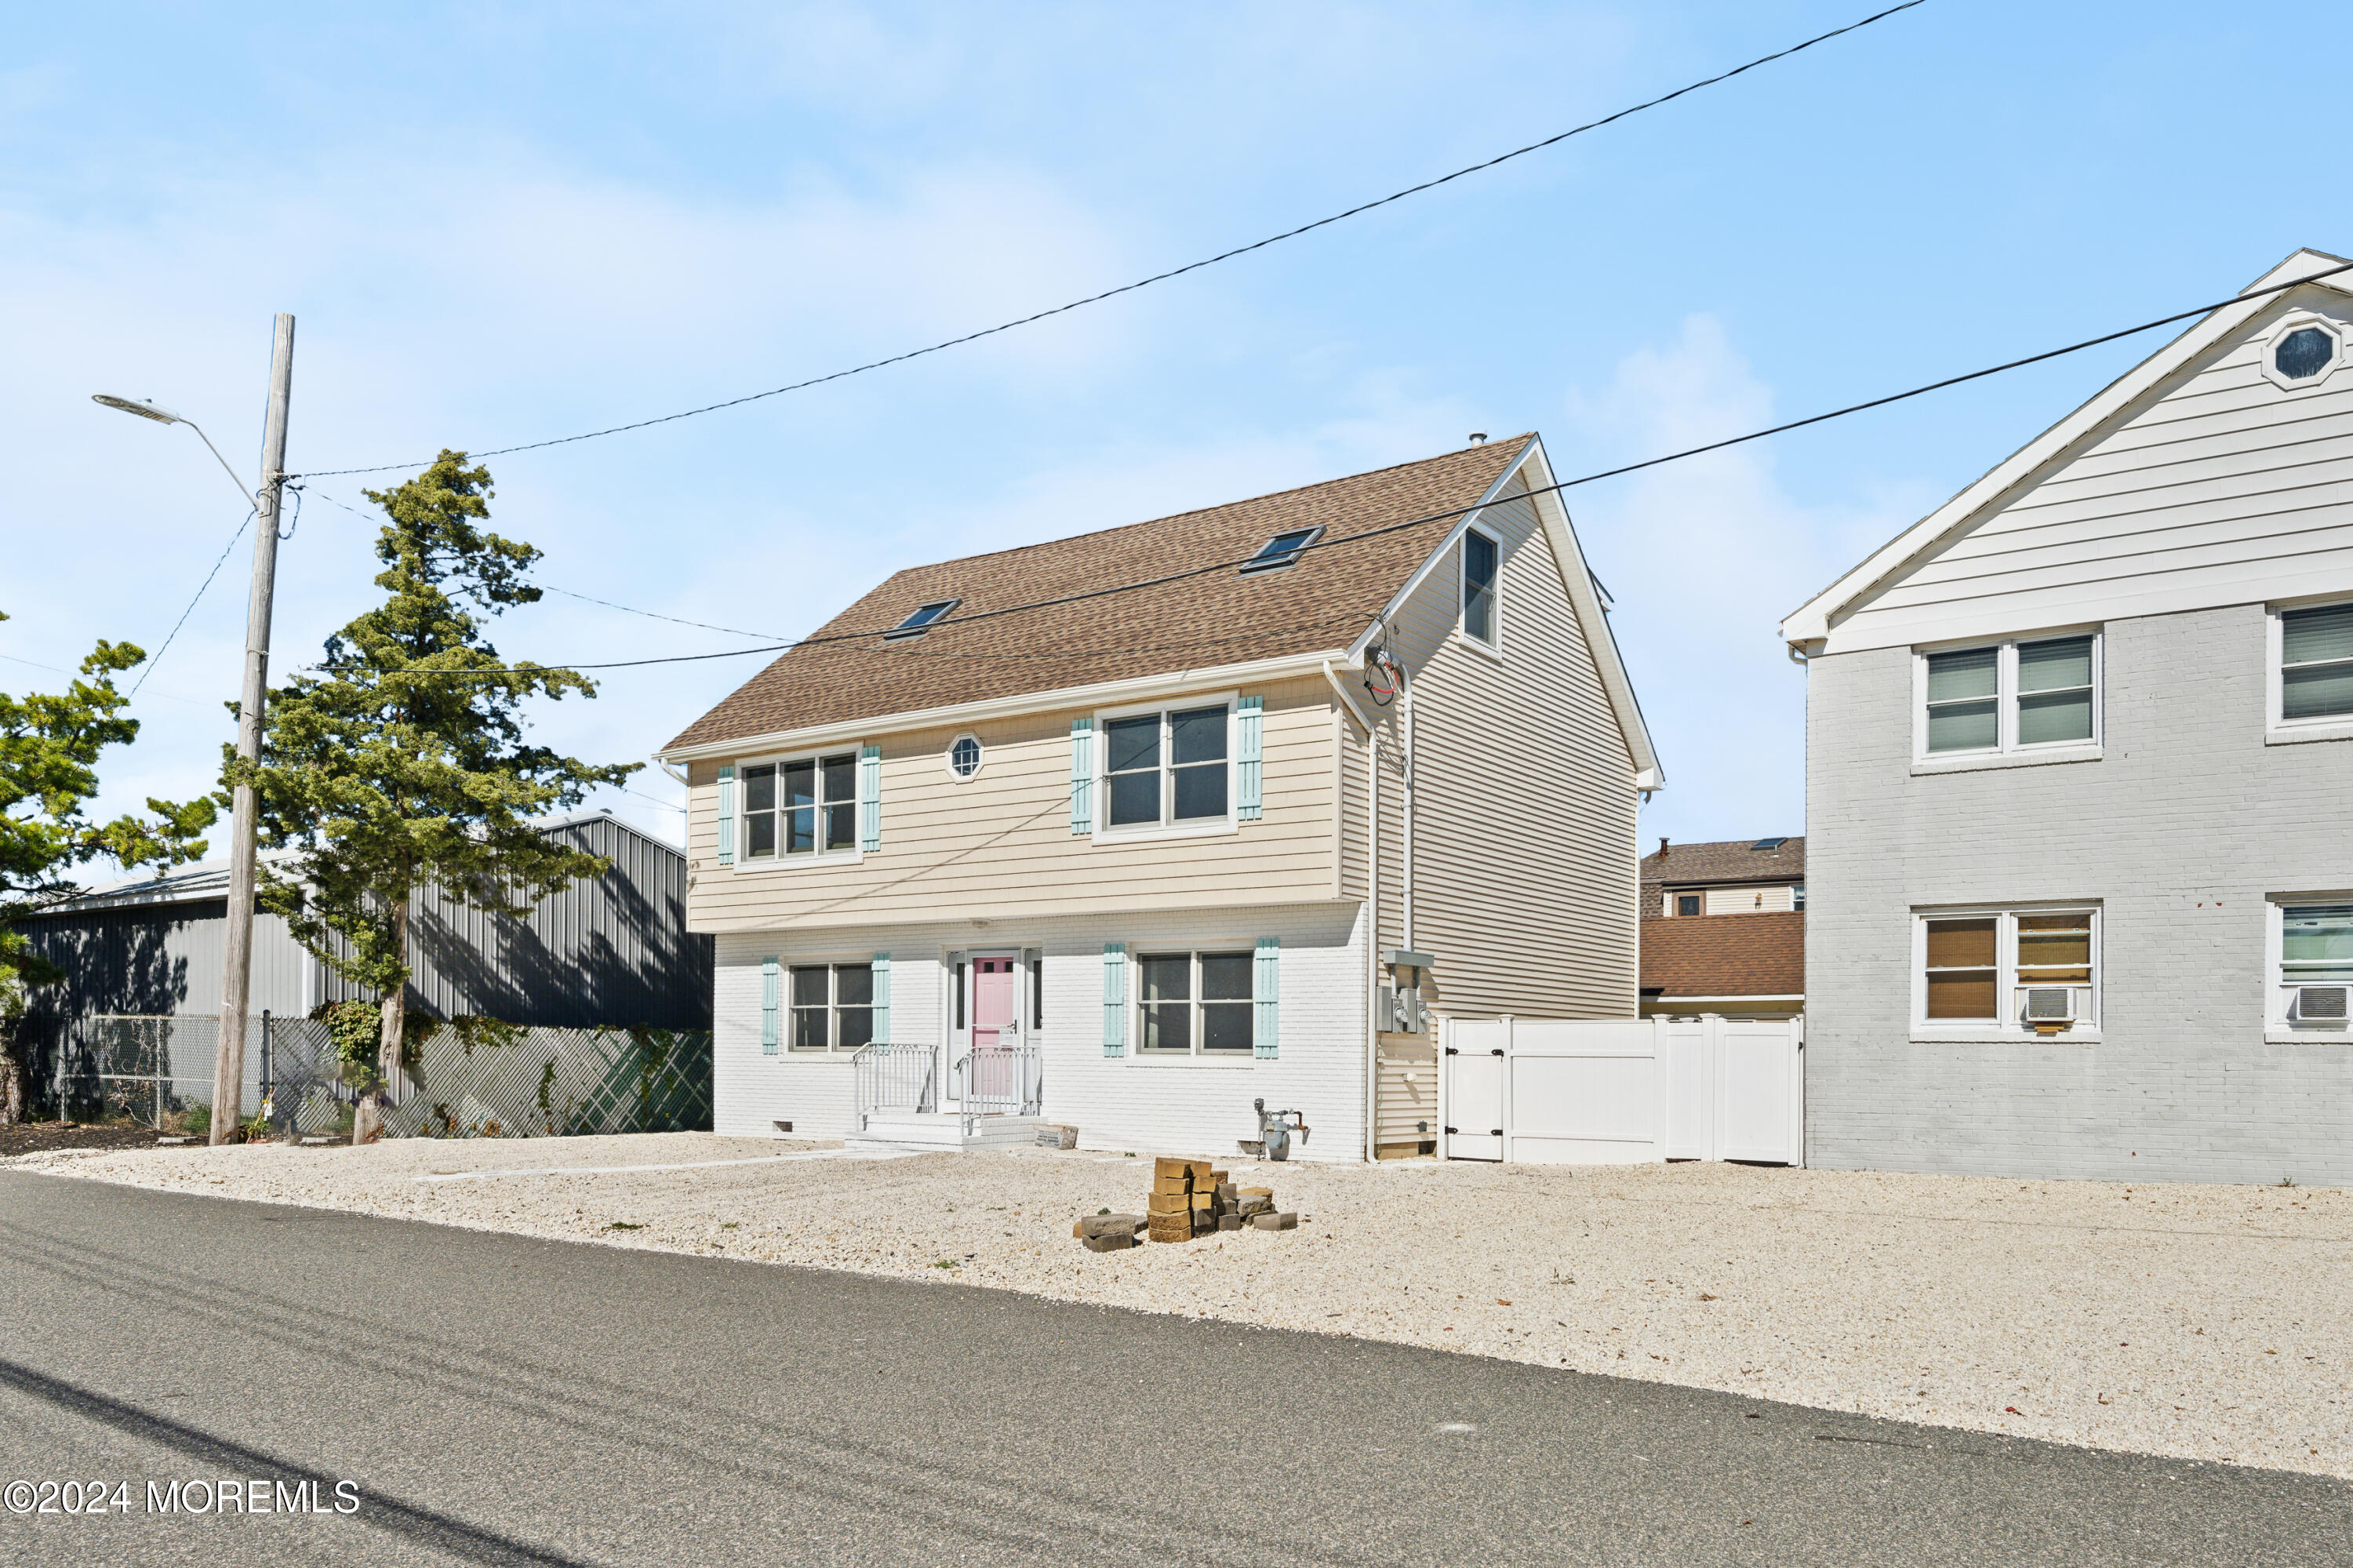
[[2304, 354]]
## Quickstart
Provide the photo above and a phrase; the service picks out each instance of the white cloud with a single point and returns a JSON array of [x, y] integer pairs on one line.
[[1705, 556]]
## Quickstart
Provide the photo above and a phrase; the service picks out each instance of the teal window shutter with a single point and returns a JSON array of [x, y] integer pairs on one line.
[[768, 1033], [727, 814], [1266, 993], [881, 999], [1250, 798], [1115, 998], [1082, 776], [870, 799]]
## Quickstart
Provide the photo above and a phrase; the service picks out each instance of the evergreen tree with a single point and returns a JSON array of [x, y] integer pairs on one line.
[[48, 772], [402, 761]]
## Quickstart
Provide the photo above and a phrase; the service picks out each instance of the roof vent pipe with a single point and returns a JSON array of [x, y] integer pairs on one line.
[[1478, 438]]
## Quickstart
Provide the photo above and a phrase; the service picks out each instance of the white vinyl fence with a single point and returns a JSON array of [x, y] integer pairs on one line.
[[1622, 1091]]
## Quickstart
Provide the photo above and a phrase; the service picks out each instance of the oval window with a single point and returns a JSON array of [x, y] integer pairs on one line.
[[964, 756]]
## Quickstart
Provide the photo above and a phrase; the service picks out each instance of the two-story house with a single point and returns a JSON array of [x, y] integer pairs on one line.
[[1723, 929], [1135, 829], [2078, 785]]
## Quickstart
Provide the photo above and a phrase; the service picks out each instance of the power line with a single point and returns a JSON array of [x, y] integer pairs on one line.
[[209, 576], [60, 669], [1332, 541], [909, 650], [1156, 277]]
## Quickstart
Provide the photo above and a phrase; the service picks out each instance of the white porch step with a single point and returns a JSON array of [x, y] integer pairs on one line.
[[944, 1131]]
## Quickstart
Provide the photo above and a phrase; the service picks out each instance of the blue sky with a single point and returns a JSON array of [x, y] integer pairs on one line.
[[501, 223]]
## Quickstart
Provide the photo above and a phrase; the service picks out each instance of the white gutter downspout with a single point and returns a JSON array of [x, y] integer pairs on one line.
[[1405, 893], [1372, 942], [1372, 905]]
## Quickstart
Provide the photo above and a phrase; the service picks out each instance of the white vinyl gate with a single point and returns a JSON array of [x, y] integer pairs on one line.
[[1624, 1091]]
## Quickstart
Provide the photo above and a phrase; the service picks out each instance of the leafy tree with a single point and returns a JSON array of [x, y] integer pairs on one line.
[[401, 761], [48, 772]]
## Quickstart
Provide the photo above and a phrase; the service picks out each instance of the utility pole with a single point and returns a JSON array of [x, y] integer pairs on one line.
[[229, 1059]]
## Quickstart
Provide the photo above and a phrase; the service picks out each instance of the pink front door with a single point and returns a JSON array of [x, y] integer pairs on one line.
[[992, 999]]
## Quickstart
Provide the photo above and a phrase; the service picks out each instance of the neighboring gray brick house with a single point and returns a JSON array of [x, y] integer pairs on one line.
[[2080, 744]]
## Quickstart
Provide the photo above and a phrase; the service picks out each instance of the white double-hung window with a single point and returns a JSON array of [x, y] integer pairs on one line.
[[807, 806], [2312, 667], [2312, 965], [1168, 769], [2023, 695], [832, 1006], [1194, 1004], [2006, 970]]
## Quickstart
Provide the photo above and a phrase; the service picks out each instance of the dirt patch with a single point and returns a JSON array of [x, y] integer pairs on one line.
[[47, 1137]]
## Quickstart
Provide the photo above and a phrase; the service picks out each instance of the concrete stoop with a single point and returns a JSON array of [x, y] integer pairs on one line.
[[944, 1131]]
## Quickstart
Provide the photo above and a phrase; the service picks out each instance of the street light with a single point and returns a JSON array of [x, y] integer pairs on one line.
[[148, 410], [237, 962]]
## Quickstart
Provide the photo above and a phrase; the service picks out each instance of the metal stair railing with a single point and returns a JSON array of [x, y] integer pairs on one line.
[[1002, 1080], [894, 1077]]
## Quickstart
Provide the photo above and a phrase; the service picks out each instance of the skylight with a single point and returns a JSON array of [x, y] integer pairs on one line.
[[921, 621], [1769, 843], [1283, 550]]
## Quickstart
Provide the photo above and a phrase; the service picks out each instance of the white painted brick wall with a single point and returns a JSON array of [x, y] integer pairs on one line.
[[1152, 1107], [2180, 829]]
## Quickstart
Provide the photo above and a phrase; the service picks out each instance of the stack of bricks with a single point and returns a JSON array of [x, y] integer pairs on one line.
[[1190, 1198]]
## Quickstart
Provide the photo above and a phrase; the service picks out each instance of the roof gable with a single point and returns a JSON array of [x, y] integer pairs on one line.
[[1835, 618], [1192, 620]]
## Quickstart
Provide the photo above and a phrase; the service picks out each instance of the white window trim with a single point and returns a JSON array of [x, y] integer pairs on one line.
[[2277, 1028], [784, 968], [2279, 731], [1202, 827], [1933, 1031], [2007, 751], [1197, 1059], [947, 758], [780, 861], [1493, 649], [2294, 324]]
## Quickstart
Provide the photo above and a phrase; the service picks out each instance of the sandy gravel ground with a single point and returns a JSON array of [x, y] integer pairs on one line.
[[2201, 1322]]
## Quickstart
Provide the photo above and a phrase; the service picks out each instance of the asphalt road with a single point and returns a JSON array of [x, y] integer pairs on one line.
[[497, 1399]]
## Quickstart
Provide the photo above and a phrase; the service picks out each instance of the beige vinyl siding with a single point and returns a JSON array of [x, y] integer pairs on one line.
[[1750, 900], [2216, 487], [1351, 748], [999, 845], [1526, 862], [1406, 1094]]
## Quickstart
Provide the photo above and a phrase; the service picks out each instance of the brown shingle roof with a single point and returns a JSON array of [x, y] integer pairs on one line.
[[1218, 617], [1725, 955], [1731, 860]]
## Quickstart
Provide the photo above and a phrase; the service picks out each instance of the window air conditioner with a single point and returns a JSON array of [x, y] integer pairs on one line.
[[2050, 1007], [2320, 1003]]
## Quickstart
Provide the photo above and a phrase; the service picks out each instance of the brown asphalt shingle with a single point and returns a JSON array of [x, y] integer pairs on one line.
[[1731, 860], [1216, 618], [1725, 955]]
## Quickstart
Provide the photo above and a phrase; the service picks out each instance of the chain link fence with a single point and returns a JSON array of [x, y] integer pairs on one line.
[[482, 1080]]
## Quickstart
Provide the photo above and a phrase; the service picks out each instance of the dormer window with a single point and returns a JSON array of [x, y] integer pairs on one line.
[[1283, 550], [921, 621]]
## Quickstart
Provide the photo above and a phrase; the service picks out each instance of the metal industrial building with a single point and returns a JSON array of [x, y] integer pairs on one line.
[[612, 951]]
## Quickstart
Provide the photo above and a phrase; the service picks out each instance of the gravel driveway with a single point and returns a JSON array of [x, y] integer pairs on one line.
[[2198, 1321]]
